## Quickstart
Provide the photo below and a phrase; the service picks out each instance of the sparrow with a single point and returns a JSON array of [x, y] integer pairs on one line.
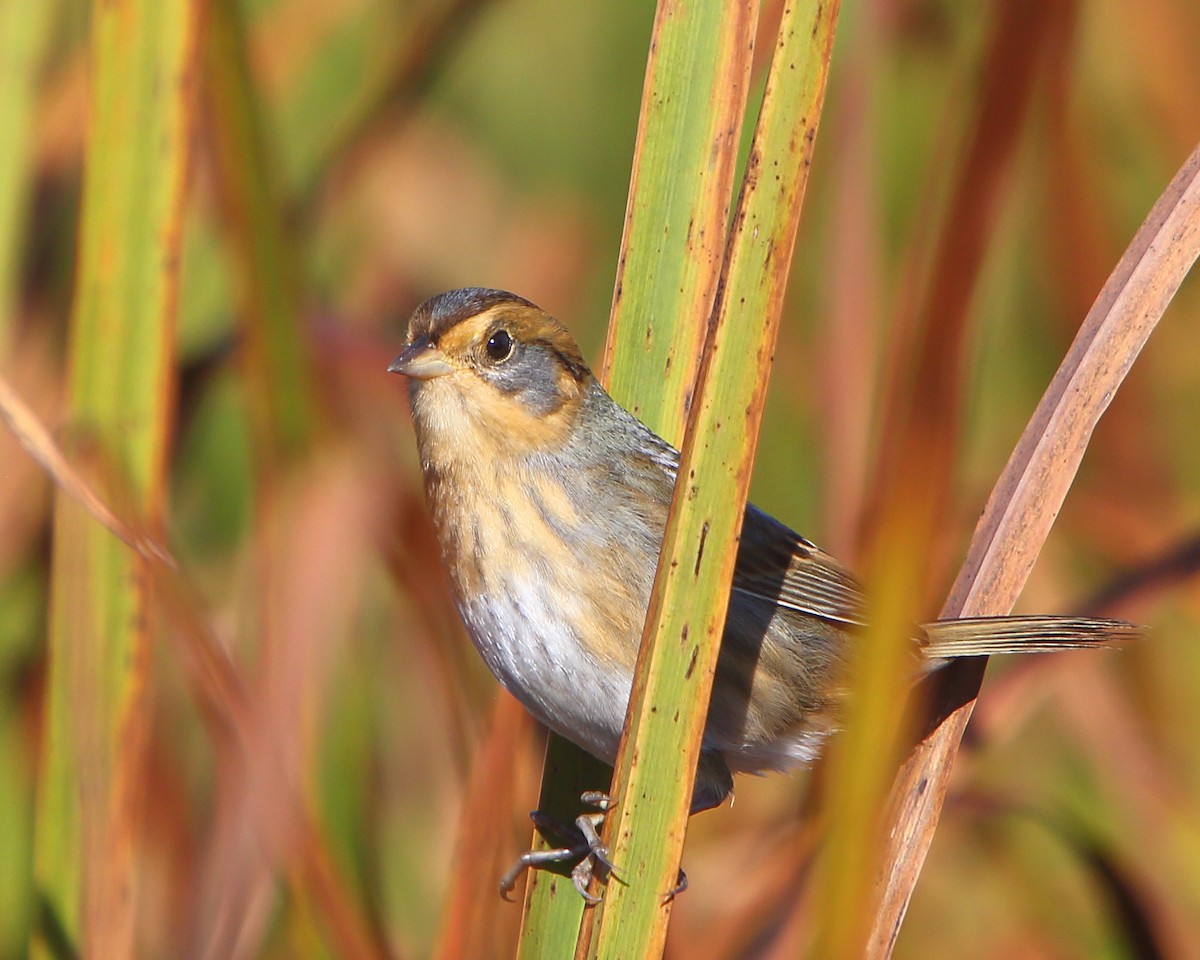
[[550, 503]]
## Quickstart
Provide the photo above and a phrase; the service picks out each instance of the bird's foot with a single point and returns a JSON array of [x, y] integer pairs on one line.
[[580, 842]]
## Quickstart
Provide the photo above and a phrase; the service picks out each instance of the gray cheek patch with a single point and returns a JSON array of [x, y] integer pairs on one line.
[[531, 376]]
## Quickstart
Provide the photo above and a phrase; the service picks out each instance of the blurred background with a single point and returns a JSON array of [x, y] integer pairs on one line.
[[418, 146]]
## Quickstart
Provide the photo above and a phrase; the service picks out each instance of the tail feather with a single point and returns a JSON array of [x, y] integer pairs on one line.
[[990, 636]]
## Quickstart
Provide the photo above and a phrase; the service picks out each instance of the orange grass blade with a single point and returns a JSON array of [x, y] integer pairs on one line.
[[846, 360], [911, 491], [659, 751], [119, 393], [218, 689], [35, 439], [928, 354], [1023, 505], [317, 537], [476, 923]]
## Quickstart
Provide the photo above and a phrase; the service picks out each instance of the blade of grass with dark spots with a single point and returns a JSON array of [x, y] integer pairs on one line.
[[659, 752], [679, 200], [693, 104]]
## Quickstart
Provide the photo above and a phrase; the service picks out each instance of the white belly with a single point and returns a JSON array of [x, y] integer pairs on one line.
[[527, 638]]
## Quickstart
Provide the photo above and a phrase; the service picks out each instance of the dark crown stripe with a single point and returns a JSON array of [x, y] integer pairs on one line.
[[438, 314]]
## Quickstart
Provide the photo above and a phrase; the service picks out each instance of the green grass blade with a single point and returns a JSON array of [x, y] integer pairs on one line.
[[678, 210], [119, 390], [553, 908], [693, 105], [687, 609], [24, 31]]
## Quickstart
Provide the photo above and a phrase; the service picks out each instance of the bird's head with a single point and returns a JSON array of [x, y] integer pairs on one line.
[[489, 372]]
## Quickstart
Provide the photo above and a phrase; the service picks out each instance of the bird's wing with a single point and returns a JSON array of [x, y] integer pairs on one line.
[[779, 566]]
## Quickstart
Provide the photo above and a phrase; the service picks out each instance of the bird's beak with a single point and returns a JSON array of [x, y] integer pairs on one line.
[[421, 360]]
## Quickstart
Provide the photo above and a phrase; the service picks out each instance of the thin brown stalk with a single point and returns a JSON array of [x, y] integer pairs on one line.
[[914, 477], [929, 347], [476, 923]]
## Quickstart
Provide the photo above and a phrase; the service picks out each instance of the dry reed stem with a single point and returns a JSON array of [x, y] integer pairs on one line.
[[36, 441], [1024, 504]]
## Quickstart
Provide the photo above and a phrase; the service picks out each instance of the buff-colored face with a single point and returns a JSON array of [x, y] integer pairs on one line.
[[489, 373]]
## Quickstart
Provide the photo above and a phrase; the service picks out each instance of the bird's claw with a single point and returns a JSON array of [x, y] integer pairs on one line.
[[588, 849], [581, 878], [681, 884]]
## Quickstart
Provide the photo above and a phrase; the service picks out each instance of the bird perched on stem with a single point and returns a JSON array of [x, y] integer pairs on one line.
[[550, 503]]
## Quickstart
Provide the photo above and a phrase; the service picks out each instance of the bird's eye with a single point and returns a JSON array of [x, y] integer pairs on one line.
[[500, 346]]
